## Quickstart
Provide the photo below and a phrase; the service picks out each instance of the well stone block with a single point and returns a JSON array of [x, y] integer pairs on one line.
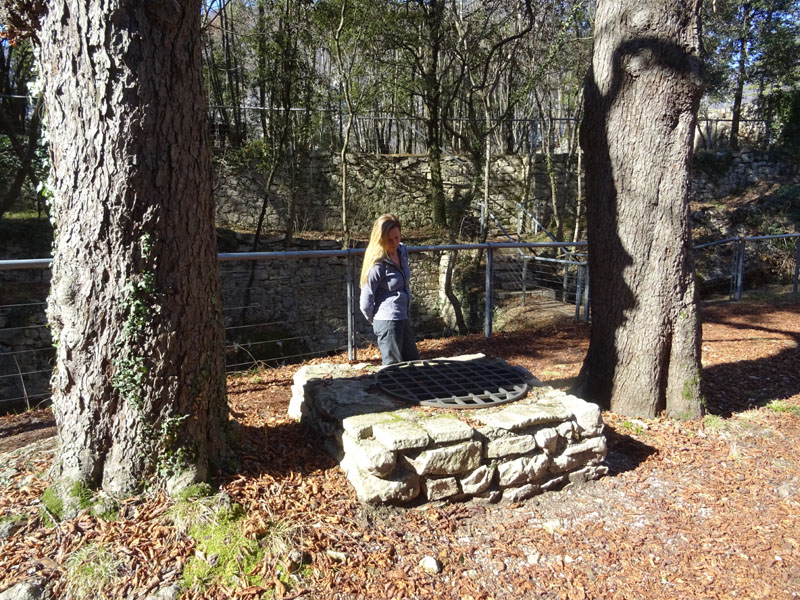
[[400, 435], [479, 480], [510, 445], [360, 426], [522, 416], [399, 487], [446, 429], [440, 488], [369, 455], [523, 492], [392, 452], [447, 460], [547, 438]]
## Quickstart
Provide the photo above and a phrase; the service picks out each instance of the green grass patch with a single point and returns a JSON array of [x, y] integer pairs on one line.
[[12, 519], [230, 547], [224, 554], [54, 506], [197, 490], [633, 427], [89, 571], [82, 494], [780, 406], [714, 423]]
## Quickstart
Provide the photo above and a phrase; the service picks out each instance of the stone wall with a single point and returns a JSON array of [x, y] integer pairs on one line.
[[394, 453], [398, 183], [380, 184], [720, 174]]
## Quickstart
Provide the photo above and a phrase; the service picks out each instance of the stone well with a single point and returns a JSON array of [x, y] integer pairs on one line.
[[393, 452]]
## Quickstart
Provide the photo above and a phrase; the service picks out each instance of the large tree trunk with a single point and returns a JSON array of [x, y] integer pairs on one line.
[[642, 96], [135, 306]]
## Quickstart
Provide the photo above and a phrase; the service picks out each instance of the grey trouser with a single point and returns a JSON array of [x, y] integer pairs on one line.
[[395, 340]]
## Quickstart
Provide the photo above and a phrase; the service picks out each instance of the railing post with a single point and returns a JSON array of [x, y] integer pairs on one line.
[[524, 277], [579, 293], [489, 303], [519, 222], [796, 268], [737, 277], [351, 309], [587, 298]]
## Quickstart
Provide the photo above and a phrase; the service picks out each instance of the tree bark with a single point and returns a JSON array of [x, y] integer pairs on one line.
[[641, 99], [135, 309]]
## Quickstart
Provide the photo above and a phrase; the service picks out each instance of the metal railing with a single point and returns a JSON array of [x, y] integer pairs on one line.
[[262, 296], [265, 324], [734, 252]]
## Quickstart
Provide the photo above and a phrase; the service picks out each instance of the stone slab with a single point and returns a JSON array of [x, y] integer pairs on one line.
[[446, 429], [522, 416], [360, 426], [369, 455], [510, 445], [440, 488], [402, 486], [524, 469], [400, 435], [479, 480], [588, 452], [523, 492], [447, 460], [587, 415], [547, 438]]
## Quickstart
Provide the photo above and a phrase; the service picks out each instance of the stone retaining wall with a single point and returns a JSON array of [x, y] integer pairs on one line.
[[393, 453], [382, 183], [717, 175], [399, 184]]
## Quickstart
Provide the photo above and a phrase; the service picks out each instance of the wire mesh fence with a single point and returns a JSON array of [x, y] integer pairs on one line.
[[26, 350], [729, 266], [286, 307], [389, 133]]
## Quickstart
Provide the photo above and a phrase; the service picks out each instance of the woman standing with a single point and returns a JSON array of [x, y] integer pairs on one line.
[[386, 293]]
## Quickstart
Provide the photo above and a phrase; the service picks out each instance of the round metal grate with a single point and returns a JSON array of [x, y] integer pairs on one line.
[[453, 383]]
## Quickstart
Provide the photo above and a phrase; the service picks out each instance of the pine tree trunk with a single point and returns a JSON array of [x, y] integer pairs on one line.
[[642, 96], [135, 309]]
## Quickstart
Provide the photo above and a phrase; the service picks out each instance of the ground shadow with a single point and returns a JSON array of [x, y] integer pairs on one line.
[[503, 344], [739, 386], [276, 450], [625, 453]]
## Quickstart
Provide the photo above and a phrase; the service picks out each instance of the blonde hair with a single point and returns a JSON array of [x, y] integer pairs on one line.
[[376, 249]]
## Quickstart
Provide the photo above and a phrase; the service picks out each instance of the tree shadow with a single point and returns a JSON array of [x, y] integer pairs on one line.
[[504, 344], [625, 453], [742, 385], [279, 451]]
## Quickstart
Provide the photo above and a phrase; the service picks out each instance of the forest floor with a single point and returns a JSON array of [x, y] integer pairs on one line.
[[708, 508]]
